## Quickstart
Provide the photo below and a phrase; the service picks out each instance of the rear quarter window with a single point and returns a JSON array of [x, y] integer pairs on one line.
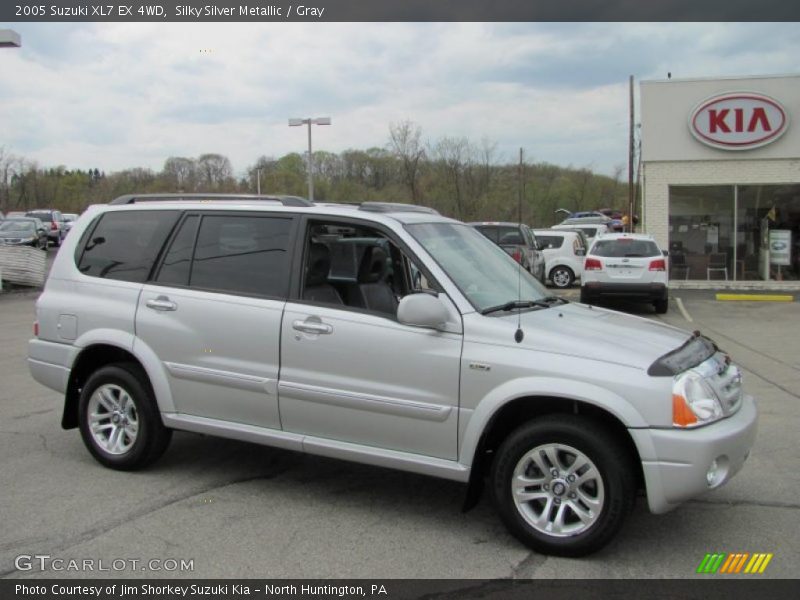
[[124, 245]]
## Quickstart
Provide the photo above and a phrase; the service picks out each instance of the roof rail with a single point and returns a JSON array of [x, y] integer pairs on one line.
[[390, 207], [136, 198]]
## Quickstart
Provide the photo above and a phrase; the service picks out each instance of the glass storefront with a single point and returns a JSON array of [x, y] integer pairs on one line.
[[735, 232]]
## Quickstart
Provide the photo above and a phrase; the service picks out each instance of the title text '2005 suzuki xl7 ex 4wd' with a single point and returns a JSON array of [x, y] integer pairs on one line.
[[385, 334]]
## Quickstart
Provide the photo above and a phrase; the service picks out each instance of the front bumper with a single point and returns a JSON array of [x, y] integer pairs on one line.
[[643, 291], [675, 461]]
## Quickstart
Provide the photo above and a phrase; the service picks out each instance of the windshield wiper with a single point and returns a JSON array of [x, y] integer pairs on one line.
[[545, 302]]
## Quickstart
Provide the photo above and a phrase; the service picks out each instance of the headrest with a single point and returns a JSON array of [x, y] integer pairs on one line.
[[373, 265], [319, 265]]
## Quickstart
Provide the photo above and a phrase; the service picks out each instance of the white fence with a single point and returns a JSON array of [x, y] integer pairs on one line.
[[22, 265]]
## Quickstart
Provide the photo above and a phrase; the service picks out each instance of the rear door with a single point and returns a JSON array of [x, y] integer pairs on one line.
[[212, 314]]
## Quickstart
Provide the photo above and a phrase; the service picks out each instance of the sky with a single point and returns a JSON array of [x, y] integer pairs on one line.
[[122, 95]]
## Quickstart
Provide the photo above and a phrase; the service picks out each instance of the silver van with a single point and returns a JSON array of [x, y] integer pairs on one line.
[[384, 334]]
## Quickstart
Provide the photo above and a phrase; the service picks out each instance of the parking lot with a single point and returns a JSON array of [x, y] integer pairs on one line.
[[239, 510]]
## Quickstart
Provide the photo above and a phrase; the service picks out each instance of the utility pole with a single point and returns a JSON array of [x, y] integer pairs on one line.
[[310, 122], [630, 159]]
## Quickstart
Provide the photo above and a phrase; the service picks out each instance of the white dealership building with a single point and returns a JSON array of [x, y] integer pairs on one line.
[[721, 178]]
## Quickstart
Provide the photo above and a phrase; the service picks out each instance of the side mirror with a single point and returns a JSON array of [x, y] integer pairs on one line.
[[580, 251], [422, 310], [665, 252]]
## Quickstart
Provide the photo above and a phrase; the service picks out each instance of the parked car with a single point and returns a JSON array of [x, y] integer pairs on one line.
[[437, 355], [518, 240], [627, 266], [23, 232], [69, 219], [617, 224], [592, 230], [53, 220], [563, 254]]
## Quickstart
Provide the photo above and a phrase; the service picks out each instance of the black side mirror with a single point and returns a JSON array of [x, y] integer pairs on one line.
[[665, 252]]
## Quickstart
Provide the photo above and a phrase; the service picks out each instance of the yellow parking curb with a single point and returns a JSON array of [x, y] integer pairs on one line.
[[757, 297]]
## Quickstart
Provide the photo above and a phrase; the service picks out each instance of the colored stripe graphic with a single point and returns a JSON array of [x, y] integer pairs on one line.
[[733, 563]]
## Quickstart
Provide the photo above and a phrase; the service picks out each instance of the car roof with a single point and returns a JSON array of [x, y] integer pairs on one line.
[[629, 236], [503, 223]]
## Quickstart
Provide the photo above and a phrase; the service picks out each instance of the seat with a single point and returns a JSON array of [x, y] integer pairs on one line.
[[317, 288], [680, 270], [717, 262], [373, 291]]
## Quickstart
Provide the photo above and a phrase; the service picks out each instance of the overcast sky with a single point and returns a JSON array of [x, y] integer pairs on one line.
[[114, 96]]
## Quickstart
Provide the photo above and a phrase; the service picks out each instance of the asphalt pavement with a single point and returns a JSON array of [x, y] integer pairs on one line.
[[240, 510]]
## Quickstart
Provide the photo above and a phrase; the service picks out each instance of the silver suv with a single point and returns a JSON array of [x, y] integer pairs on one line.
[[384, 334]]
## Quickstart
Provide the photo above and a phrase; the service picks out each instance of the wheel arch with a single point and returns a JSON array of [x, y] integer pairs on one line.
[[486, 431], [101, 353]]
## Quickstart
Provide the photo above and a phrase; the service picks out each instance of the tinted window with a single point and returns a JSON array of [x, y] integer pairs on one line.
[[490, 231], [243, 254], [625, 247], [175, 268], [124, 245], [550, 241], [511, 235]]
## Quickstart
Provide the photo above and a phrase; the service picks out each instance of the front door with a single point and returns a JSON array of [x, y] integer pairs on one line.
[[350, 371]]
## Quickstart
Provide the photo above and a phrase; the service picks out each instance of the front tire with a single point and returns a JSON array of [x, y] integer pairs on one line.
[[562, 277], [562, 485], [661, 306], [119, 419]]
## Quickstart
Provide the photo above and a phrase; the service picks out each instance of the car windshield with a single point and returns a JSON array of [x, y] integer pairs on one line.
[[623, 247], [17, 226], [484, 273]]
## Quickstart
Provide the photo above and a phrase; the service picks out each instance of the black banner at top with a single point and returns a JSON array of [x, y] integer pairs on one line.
[[222, 11]]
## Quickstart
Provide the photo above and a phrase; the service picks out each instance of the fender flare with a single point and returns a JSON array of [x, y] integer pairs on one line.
[[550, 387]]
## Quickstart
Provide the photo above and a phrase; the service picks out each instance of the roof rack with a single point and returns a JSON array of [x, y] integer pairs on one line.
[[284, 200], [390, 207]]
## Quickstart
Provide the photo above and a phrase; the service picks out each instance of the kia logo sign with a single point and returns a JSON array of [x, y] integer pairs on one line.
[[738, 121]]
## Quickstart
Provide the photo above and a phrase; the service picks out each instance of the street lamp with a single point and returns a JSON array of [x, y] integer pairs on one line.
[[310, 122], [9, 39]]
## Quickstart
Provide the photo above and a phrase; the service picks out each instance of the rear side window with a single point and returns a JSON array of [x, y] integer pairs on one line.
[[550, 241], [124, 245], [625, 248], [489, 231], [236, 254]]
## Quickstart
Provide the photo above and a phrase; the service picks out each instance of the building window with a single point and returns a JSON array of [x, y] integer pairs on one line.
[[743, 233], [701, 231]]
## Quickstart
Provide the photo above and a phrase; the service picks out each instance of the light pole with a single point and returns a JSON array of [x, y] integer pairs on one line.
[[9, 39], [310, 122]]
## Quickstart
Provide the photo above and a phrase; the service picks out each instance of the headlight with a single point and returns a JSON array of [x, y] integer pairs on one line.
[[694, 403]]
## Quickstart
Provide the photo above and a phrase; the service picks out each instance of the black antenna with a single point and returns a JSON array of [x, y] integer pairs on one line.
[[518, 334]]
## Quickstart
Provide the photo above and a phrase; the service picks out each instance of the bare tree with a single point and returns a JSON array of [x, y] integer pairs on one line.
[[406, 145], [181, 173], [215, 171], [453, 155]]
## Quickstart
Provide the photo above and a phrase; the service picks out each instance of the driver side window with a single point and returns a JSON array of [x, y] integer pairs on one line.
[[357, 267]]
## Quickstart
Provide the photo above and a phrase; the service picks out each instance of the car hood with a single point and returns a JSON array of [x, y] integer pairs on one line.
[[595, 333]]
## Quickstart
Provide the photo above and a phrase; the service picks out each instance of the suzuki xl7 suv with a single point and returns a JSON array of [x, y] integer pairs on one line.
[[384, 334]]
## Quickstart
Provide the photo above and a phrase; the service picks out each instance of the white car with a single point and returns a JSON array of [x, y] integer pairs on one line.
[[563, 255], [626, 265]]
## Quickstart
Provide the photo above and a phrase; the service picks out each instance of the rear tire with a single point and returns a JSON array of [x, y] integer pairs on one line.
[[119, 419], [562, 277], [585, 299], [563, 485], [661, 306]]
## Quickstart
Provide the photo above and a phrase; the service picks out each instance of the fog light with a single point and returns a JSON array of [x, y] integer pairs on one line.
[[711, 476]]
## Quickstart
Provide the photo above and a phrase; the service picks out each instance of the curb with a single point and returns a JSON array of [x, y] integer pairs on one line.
[[756, 297]]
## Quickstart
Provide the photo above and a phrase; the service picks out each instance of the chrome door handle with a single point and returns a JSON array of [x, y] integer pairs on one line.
[[161, 303], [312, 327]]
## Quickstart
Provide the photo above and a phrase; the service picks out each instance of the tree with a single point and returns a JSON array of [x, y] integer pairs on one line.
[[215, 172], [404, 139], [180, 173]]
